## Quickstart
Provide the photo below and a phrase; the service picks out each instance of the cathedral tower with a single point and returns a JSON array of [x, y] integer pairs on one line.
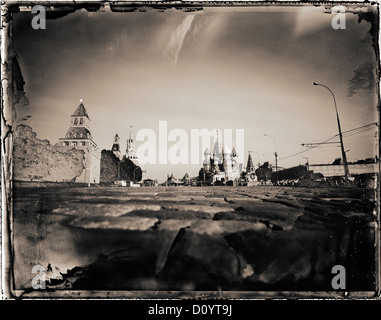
[[79, 137], [227, 159], [79, 133], [130, 151], [206, 162], [218, 150], [234, 159], [250, 165], [116, 146]]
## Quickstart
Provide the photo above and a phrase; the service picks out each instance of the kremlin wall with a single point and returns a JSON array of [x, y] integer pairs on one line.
[[76, 158]]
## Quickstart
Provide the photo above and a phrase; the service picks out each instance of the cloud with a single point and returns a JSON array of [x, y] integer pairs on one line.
[[173, 48], [309, 20], [363, 79]]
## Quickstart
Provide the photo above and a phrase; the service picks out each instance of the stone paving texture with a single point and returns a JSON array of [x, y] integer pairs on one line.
[[194, 238]]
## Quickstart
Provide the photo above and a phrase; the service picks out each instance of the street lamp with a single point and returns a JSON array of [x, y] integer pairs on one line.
[[276, 157], [345, 163]]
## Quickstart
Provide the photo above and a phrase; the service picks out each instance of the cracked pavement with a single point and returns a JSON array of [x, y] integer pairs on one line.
[[194, 238]]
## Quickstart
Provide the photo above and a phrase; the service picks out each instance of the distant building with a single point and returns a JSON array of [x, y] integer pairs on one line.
[[249, 175], [222, 166], [115, 169], [150, 183], [263, 172], [115, 166], [172, 181], [130, 150], [79, 137], [293, 173], [361, 170], [116, 147], [367, 166], [250, 165]]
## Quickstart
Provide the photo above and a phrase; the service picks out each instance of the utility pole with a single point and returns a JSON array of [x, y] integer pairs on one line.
[[345, 163], [276, 166]]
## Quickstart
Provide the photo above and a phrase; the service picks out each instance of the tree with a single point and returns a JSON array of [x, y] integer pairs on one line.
[[204, 175]]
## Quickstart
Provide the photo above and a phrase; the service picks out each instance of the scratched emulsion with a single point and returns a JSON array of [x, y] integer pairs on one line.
[[189, 238], [151, 240]]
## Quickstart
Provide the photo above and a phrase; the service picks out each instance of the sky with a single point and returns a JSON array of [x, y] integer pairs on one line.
[[226, 68]]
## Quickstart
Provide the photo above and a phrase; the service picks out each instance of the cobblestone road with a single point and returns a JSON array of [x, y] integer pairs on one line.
[[194, 238]]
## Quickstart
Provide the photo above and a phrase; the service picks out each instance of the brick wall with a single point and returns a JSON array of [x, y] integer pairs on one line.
[[110, 165], [36, 159]]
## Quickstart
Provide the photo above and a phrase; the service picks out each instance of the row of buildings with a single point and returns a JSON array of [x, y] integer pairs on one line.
[[100, 166], [220, 167]]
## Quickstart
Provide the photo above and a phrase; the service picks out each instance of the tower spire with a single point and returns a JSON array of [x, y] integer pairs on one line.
[[131, 135], [116, 146], [79, 137], [250, 164], [130, 151]]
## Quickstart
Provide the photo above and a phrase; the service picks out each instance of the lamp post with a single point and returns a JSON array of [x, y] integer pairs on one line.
[[345, 163], [276, 158]]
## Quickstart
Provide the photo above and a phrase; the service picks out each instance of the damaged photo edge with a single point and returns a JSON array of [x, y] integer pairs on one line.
[[8, 290]]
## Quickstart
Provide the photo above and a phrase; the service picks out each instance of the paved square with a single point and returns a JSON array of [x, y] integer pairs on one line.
[[194, 238]]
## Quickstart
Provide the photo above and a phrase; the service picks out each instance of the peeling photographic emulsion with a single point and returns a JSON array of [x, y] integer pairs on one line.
[[176, 150]]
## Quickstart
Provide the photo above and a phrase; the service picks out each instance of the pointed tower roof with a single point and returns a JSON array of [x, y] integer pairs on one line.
[[250, 164], [218, 147], [131, 135], [234, 152], [81, 111], [218, 136], [78, 133]]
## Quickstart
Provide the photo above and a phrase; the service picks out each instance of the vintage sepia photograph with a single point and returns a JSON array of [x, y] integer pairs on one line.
[[176, 150]]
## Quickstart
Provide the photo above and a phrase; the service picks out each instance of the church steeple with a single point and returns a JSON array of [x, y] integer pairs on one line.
[[79, 133], [250, 165], [131, 136], [218, 150], [80, 117], [116, 146], [79, 137], [81, 111], [130, 151], [206, 162]]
